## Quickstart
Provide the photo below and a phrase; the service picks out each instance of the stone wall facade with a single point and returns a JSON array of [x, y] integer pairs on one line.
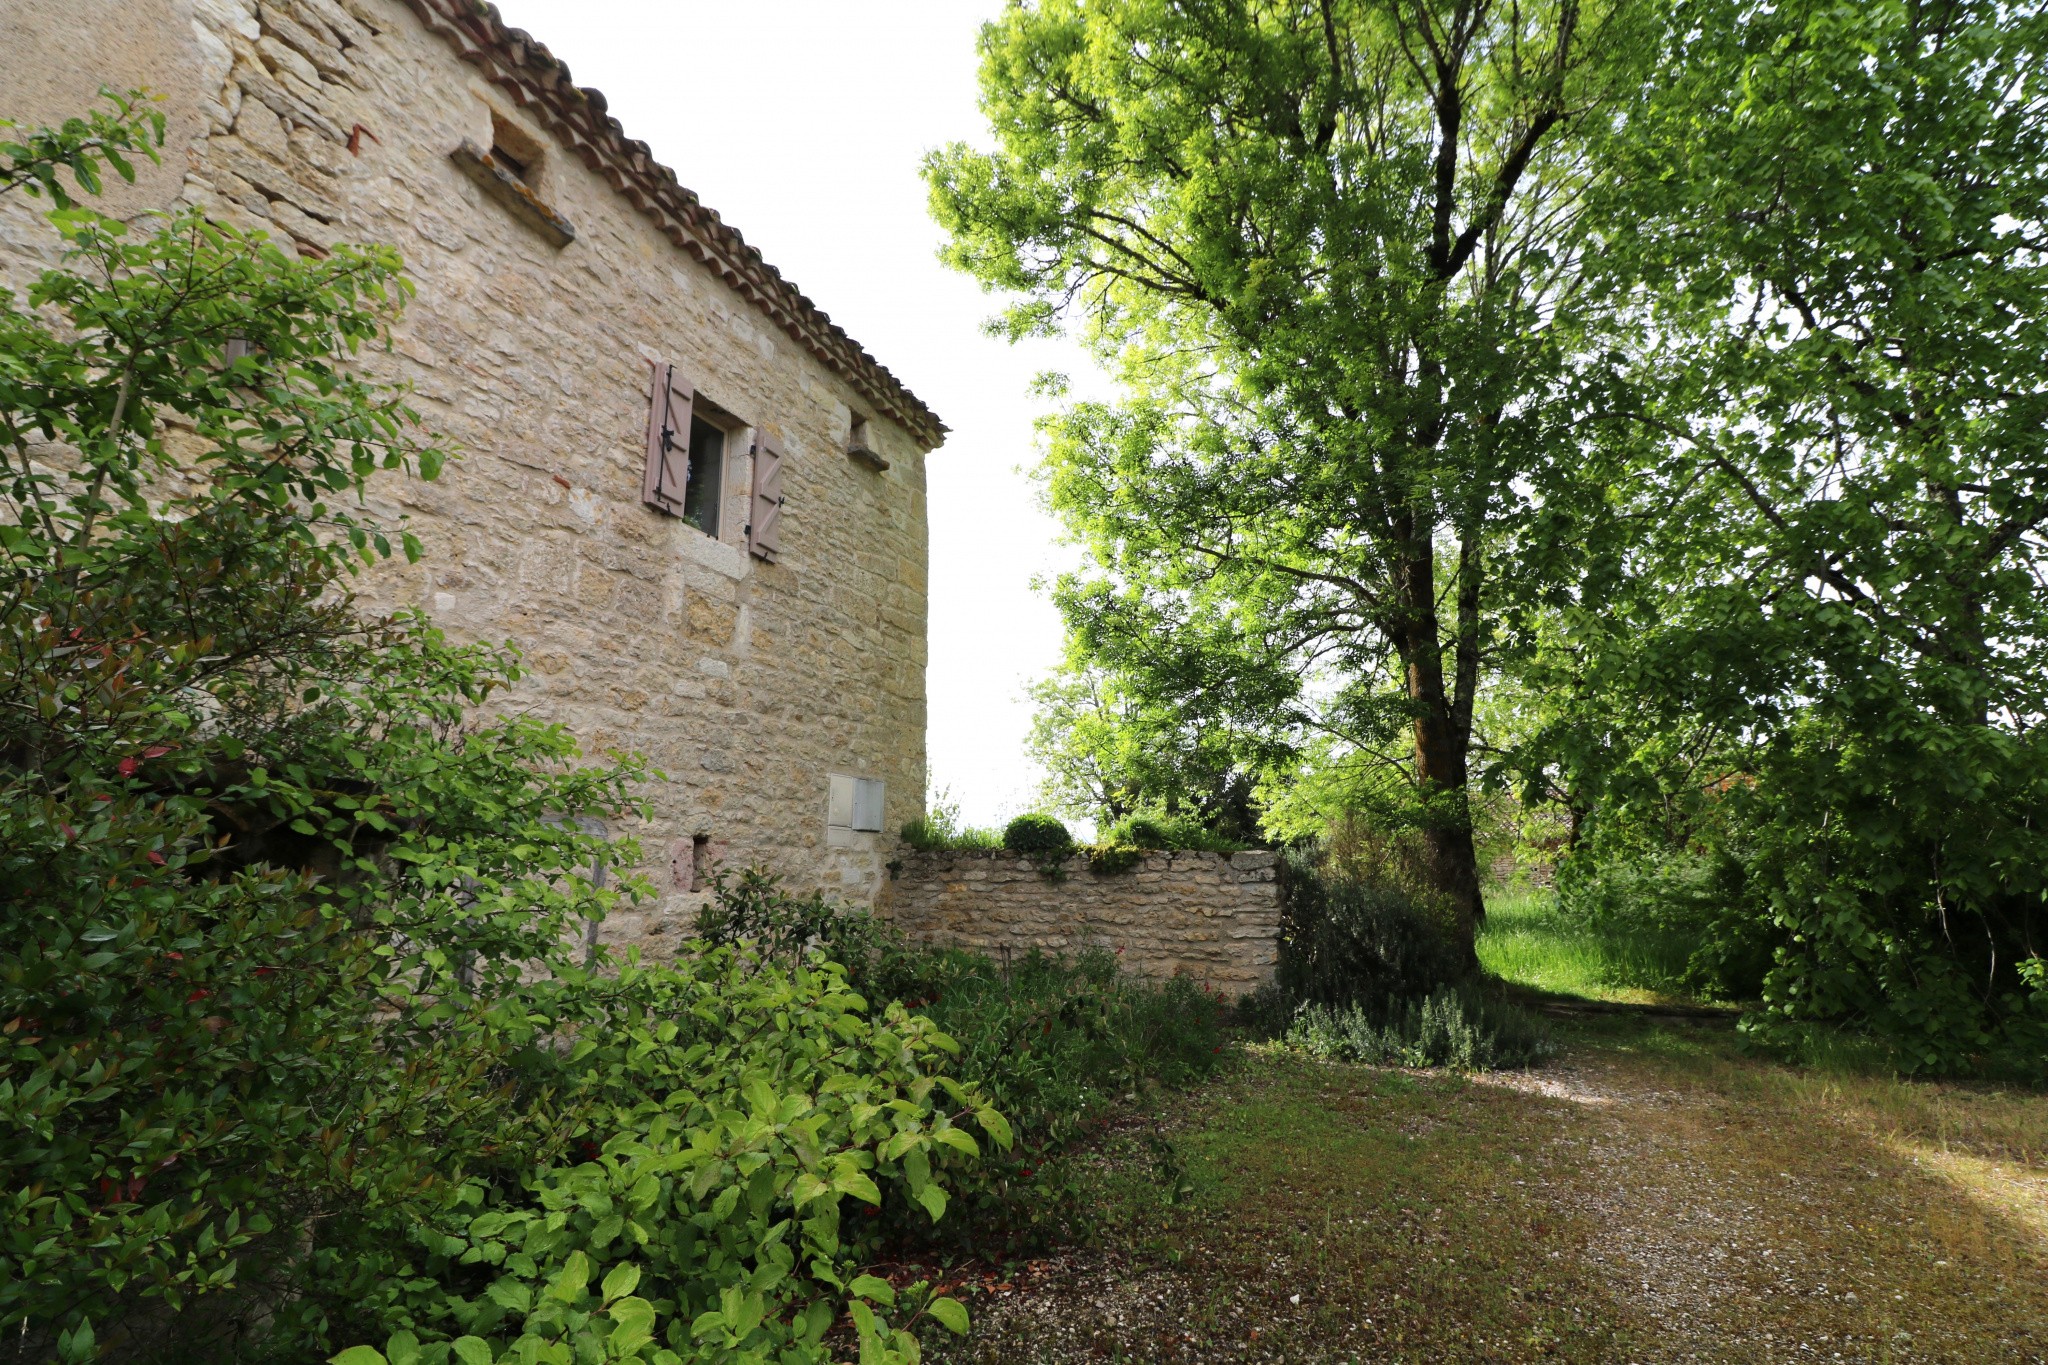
[[747, 683], [1214, 917]]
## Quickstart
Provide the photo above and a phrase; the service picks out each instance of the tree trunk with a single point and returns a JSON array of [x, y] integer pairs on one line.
[[1450, 858]]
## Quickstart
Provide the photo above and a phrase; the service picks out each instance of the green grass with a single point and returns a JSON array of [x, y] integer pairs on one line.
[[942, 836], [1528, 941]]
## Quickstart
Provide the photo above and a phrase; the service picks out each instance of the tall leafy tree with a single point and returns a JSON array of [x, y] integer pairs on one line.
[[1109, 755], [1824, 555], [1329, 247]]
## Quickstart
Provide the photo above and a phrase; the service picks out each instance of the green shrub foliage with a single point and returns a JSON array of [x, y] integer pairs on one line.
[[1037, 833], [1348, 940], [1052, 1043], [1370, 971], [730, 1113], [1152, 830], [1461, 1029]]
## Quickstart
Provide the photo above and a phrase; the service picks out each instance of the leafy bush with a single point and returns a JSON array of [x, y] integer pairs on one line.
[[1347, 940], [1109, 859], [929, 835], [1154, 830], [1052, 1043], [1368, 972], [1037, 833], [939, 829], [729, 1110], [1901, 868], [1684, 920], [1458, 1028]]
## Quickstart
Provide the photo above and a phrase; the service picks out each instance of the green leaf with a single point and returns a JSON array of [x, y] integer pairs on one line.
[[959, 1139], [872, 1287], [950, 1314], [857, 1184], [77, 1344], [359, 1355], [511, 1294], [995, 1125], [622, 1280], [574, 1277], [472, 1351]]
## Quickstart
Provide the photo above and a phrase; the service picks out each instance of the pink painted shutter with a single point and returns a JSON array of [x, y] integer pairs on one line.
[[764, 529], [668, 441]]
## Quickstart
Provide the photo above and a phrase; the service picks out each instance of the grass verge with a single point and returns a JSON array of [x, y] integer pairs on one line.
[[1528, 941]]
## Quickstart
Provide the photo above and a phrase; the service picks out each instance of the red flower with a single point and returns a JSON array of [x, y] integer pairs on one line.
[[272, 971], [198, 993], [127, 766], [155, 857]]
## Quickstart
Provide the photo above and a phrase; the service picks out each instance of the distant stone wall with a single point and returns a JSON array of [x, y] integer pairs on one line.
[[1214, 917]]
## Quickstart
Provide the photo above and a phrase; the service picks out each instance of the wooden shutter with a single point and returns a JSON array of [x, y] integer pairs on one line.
[[668, 441], [764, 526]]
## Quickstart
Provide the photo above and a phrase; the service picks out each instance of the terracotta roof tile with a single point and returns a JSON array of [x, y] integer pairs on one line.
[[540, 83]]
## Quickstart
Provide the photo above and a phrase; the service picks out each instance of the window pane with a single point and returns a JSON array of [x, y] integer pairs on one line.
[[707, 476]]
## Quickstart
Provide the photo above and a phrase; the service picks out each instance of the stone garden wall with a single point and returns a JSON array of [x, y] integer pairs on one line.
[[1214, 917]]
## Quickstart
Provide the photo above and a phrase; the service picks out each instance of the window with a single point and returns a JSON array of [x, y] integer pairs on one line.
[[687, 437], [855, 804], [706, 477], [514, 172]]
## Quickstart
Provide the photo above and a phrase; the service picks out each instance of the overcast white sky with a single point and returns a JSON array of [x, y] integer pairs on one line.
[[803, 123]]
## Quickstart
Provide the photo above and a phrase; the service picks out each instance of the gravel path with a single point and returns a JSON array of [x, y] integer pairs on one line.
[[1737, 1229], [1617, 1207]]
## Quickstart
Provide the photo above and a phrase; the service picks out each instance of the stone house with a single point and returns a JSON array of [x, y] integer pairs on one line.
[[696, 503]]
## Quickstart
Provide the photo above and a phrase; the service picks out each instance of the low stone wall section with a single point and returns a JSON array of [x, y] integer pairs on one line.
[[1214, 917]]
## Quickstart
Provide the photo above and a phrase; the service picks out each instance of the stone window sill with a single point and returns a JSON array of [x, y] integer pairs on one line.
[[509, 190]]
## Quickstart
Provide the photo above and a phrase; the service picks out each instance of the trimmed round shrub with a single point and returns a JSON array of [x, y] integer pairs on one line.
[[1141, 831], [1037, 833]]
